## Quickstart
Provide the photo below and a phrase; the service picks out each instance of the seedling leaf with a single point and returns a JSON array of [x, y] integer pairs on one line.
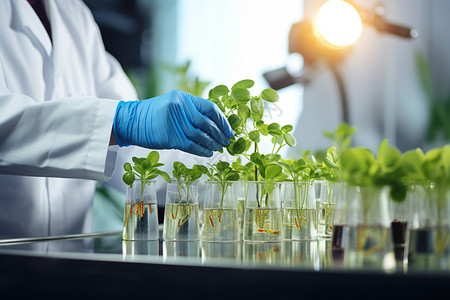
[[244, 84], [270, 95], [240, 95], [290, 139], [243, 111], [235, 121], [220, 90], [239, 146]]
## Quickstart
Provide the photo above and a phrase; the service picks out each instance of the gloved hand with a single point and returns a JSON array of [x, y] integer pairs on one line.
[[176, 120]]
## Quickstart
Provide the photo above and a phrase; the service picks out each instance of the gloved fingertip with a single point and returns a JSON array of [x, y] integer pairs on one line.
[[208, 153], [231, 133], [202, 152], [225, 141]]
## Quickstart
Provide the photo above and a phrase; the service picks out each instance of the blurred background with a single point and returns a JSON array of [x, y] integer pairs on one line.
[[393, 76]]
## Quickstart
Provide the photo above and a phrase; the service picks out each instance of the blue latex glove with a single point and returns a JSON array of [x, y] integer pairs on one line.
[[176, 120]]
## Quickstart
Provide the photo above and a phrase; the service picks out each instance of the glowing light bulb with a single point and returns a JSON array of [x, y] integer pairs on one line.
[[338, 23]]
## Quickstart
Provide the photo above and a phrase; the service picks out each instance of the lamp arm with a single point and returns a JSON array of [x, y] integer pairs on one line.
[[342, 91]]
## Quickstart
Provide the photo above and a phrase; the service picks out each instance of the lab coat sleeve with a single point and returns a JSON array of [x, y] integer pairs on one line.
[[111, 82], [61, 138], [66, 137]]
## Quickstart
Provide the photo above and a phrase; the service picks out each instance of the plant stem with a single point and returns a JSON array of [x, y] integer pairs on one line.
[[223, 186], [142, 190], [328, 207], [273, 148], [329, 189], [296, 197], [245, 190], [301, 209], [367, 196], [179, 201], [188, 215], [281, 145], [256, 179], [187, 193]]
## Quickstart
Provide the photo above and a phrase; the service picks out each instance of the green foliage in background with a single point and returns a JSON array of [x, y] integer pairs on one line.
[[341, 137], [185, 81], [439, 102], [361, 167], [145, 81], [397, 170]]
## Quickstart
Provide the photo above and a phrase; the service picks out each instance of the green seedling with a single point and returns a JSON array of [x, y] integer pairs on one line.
[[307, 169], [361, 167], [246, 172], [245, 113], [436, 168], [341, 137], [221, 172], [145, 168], [184, 174], [185, 177]]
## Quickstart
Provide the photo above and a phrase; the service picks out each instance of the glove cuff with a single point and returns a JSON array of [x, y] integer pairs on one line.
[[120, 124]]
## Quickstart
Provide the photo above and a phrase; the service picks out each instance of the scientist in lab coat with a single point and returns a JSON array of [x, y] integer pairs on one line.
[[61, 115]]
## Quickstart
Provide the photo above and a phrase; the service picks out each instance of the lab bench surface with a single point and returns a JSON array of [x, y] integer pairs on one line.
[[103, 265]]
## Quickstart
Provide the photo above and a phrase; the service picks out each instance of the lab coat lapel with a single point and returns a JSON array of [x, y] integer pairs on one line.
[[60, 36], [25, 20]]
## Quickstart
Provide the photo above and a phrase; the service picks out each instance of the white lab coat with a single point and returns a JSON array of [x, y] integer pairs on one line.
[[57, 104]]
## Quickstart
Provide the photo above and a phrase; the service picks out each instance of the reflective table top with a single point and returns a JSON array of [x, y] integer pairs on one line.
[[310, 255], [314, 255], [110, 266]]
